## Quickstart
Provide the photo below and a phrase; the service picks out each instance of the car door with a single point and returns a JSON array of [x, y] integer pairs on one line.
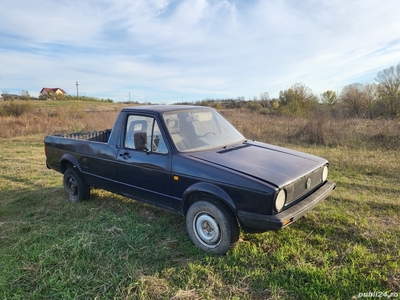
[[144, 162]]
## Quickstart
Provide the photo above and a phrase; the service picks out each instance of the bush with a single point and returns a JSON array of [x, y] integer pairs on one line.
[[15, 109], [314, 132]]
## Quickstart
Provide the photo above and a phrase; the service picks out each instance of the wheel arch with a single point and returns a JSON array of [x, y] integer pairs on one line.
[[203, 190], [67, 161]]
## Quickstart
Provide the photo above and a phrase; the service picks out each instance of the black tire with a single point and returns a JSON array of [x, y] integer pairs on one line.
[[211, 227], [75, 186]]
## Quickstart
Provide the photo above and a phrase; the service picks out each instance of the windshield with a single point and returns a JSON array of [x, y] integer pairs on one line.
[[200, 129]]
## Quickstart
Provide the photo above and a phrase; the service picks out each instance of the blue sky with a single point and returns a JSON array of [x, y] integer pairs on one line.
[[165, 51]]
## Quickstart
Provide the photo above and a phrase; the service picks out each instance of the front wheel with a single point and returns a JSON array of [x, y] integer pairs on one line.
[[211, 227], [75, 186]]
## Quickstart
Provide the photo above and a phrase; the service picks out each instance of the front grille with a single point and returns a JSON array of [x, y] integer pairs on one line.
[[300, 188]]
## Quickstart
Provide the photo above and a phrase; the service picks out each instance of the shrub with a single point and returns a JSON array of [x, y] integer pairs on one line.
[[314, 132], [15, 109]]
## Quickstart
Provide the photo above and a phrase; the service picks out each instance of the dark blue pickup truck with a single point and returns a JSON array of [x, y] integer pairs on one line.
[[192, 161]]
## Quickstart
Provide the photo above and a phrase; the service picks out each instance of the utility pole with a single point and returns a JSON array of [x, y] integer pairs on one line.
[[129, 96], [77, 91]]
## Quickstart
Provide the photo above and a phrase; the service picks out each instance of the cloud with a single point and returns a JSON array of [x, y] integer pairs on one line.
[[195, 49]]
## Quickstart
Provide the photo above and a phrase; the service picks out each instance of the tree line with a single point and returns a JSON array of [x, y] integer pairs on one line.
[[359, 100], [24, 95]]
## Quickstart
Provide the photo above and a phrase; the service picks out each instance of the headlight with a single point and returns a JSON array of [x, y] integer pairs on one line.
[[325, 174], [280, 200]]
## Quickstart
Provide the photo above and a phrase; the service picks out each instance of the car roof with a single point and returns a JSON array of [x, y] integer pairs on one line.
[[165, 108]]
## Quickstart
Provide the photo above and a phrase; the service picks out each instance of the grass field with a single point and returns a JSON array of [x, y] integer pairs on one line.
[[111, 247]]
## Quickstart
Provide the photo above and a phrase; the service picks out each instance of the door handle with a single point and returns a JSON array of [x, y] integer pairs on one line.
[[125, 155]]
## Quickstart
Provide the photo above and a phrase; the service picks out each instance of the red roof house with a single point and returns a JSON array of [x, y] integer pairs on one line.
[[48, 91]]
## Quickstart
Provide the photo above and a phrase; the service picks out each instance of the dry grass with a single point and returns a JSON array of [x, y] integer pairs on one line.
[[112, 247], [319, 130], [74, 117]]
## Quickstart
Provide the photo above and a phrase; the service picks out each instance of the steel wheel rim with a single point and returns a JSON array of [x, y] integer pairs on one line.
[[207, 230], [72, 187]]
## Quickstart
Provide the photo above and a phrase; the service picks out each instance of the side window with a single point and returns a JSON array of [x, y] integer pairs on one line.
[[143, 133], [158, 140]]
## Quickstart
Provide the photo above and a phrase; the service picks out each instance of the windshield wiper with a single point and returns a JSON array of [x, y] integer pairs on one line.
[[226, 146]]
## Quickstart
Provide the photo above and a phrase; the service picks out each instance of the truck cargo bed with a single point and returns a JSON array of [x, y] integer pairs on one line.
[[96, 136]]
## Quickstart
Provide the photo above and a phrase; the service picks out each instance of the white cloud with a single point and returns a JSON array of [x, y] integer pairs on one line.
[[195, 49]]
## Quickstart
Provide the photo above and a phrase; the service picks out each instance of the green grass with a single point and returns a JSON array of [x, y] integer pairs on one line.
[[111, 247]]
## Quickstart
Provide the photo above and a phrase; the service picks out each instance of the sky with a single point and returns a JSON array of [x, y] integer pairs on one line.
[[168, 51]]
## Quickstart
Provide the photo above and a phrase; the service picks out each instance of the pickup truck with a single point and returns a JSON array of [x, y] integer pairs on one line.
[[190, 160]]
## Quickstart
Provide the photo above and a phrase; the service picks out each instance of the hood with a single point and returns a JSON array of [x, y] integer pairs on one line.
[[276, 165]]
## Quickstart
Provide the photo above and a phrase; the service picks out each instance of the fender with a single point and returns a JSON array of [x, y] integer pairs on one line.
[[209, 189], [69, 158]]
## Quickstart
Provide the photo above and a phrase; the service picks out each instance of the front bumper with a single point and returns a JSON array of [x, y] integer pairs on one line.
[[259, 223]]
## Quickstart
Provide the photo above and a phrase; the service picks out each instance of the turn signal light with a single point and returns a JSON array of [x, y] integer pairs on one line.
[[287, 222]]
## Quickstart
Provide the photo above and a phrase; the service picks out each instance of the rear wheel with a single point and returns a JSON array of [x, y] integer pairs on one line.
[[75, 186], [211, 227]]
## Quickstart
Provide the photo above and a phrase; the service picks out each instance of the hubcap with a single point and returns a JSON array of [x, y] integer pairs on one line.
[[207, 230]]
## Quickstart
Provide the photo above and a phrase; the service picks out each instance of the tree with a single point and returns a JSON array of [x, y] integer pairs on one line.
[[264, 96], [359, 99], [25, 95], [329, 97], [4, 94], [264, 99], [370, 98], [298, 99], [352, 98], [389, 89]]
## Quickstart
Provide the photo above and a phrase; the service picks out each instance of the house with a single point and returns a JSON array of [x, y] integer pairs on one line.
[[46, 92]]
